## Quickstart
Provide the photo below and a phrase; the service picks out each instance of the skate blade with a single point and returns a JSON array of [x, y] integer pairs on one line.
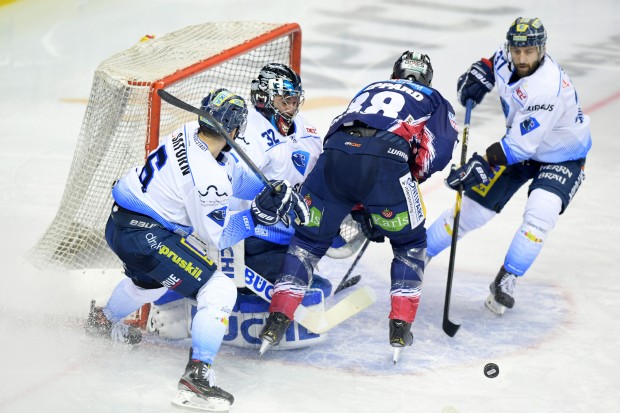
[[264, 347], [191, 401], [396, 356], [493, 305]]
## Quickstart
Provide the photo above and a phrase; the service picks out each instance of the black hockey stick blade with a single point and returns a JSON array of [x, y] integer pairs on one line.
[[175, 101], [345, 279], [449, 327], [348, 283]]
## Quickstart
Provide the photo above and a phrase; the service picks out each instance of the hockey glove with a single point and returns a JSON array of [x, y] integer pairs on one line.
[[368, 227], [476, 82], [475, 171], [270, 206], [299, 208]]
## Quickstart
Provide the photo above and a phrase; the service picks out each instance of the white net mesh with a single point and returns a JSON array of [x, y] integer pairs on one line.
[[120, 114]]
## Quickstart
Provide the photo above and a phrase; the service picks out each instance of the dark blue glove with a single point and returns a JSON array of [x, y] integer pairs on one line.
[[269, 206], [363, 217], [476, 82], [475, 171]]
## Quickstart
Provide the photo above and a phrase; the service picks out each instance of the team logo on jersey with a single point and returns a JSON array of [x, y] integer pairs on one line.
[[386, 213], [528, 125], [453, 122], [218, 216], [308, 200], [521, 93], [300, 161], [214, 189], [212, 197]]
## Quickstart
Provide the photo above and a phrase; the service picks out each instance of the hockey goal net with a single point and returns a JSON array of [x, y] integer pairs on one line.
[[125, 120]]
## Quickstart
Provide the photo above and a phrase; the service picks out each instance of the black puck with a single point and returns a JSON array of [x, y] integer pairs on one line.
[[491, 370]]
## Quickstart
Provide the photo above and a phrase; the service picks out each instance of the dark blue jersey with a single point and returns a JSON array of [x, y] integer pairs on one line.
[[419, 114]]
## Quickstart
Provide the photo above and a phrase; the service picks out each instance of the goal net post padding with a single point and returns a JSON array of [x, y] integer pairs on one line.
[[125, 120]]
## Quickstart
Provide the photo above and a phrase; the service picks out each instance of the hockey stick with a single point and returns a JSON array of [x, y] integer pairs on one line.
[[346, 282], [175, 101], [448, 326], [316, 321]]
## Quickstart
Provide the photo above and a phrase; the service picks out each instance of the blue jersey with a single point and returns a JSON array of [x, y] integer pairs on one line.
[[419, 114]]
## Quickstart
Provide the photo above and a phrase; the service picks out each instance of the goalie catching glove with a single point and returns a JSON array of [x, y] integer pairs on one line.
[[271, 206], [475, 171]]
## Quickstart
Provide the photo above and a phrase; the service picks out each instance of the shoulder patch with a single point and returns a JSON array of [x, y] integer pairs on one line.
[[218, 216], [528, 125], [300, 161]]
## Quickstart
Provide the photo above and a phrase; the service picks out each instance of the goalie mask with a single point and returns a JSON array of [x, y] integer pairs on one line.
[[277, 94], [228, 109], [413, 66]]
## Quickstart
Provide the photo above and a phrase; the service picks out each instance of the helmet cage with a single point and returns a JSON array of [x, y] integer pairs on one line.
[[274, 80]]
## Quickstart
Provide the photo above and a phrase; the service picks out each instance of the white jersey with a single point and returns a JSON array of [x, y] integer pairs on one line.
[[281, 157], [543, 118], [185, 189], [278, 157]]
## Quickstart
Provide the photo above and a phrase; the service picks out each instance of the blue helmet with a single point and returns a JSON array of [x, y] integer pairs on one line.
[[277, 79], [227, 108], [526, 32], [414, 66]]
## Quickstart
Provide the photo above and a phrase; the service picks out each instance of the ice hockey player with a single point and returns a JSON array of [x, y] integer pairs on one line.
[[283, 146], [161, 215], [370, 157], [547, 140]]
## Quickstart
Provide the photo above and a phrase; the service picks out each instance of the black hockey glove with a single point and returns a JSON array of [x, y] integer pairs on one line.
[[269, 206], [475, 171], [299, 207], [476, 82], [368, 227]]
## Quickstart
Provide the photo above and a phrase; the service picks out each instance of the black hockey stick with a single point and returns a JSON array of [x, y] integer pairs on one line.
[[350, 282], [448, 326], [175, 101]]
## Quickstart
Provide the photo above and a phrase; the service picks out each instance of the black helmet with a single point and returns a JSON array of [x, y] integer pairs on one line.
[[526, 32], [276, 79], [414, 66], [227, 108]]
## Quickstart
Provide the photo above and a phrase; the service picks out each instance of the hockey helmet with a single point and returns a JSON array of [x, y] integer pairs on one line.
[[526, 32], [413, 66], [228, 109]]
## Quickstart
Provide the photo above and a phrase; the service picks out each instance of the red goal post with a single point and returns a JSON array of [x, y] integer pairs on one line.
[[125, 120]]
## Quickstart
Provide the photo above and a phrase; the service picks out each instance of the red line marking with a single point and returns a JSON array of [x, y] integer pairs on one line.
[[602, 103]]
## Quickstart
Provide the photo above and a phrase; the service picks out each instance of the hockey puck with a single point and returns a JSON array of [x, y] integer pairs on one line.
[[491, 370]]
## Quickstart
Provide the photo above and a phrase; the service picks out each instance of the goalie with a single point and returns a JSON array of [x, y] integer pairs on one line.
[[182, 189]]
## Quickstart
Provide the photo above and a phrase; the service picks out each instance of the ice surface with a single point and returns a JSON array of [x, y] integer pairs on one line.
[[557, 350]]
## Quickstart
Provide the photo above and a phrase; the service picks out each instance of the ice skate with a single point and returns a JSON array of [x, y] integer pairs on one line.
[[275, 328], [97, 324], [400, 336], [502, 292], [197, 390]]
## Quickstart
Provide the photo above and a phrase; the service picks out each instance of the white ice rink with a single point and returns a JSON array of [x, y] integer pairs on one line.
[[558, 350]]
